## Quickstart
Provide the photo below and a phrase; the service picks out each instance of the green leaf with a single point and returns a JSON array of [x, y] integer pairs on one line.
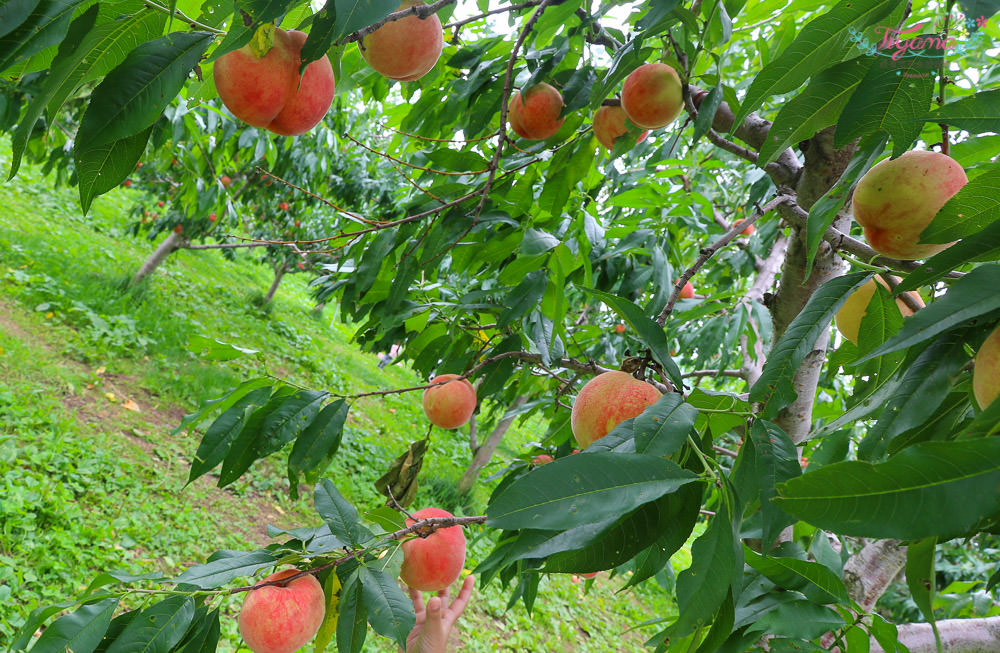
[[524, 297], [581, 489], [13, 13], [133, 95], [390, 612], [986, 423], [576, 91], [774, 387], [975, 114], [468, 162], [776, 461], [969, 211], [660, 430], [794, 574], [968, 298], [102, 167], [204, 635], [157, 628], [94, 52], [702, 587], [338, 513], [891, 99], [216, 350], [263, 11], [225, 566], [923, 491], [287, 420], [352, 15], [921, 579], [352, 625], [650, 333], [320, 440], [816, 107], [45, 26], [925, 385], [822, 42], [222, 403], [224, 430], [79, 631], [824, 211], [801, 620], [245, 447]]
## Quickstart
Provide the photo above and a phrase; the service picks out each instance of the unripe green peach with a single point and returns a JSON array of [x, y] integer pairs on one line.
[[535, 113], [277, 619], [434, 562], [606, 401], [651, 95], [848, 318], [450, 402], [404, 50], [986, 375], [898, 198]]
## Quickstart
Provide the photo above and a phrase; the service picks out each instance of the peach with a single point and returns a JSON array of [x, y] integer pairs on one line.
[[748, 231], [225, 180], [619, 328], [542, 459], [651, 95], [606, 401], [268, 91], [450, 402], [687, 292], [434, 562], [898, 198], [848, 318], [404, 50], [276, 619], [609, 124], [534, 115], [986, 374]]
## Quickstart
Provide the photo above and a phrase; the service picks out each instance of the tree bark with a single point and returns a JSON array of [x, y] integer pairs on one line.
[[170, 244], [957, 636], [870, 571], [279, 274], [485, 451]]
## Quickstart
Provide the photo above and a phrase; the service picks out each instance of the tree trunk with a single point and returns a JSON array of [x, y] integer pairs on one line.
[[957, 636], [279, 274], [171, 244], [485, 452]]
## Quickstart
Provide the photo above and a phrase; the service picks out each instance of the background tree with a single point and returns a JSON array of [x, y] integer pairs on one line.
[[509, 261]]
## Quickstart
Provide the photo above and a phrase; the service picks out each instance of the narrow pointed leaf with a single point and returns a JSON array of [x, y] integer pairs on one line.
[[80, 631], [390, 611], [794, 574], [45, 26], [581, 489], [774, 387], [13, 13], [923, 491], [157, 628], [975, 114], [968, 298], [226, 566], [224, 430], [981, 246], [524, 297], [777, 461], [102, 167], [338, 513], [921, 579], [352, 625]]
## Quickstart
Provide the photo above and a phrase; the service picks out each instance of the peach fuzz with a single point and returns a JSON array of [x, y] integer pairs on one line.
[[276, 619], [434, 562], [898, 198], [266, 92], [606, 401], [609, 124], [986, 374], [534, 114], [848, 318], [651, 95], [407, 49], [450, 402]]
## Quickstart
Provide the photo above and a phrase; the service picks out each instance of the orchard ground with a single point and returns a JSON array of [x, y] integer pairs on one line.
[[93, 379]]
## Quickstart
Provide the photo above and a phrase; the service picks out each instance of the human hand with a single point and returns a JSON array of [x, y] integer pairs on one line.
[[434, 623]]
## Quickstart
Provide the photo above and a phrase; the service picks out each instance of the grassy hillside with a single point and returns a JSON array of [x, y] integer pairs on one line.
[[92, 380]]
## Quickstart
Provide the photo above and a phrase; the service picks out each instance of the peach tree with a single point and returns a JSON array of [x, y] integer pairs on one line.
[[816, 468]]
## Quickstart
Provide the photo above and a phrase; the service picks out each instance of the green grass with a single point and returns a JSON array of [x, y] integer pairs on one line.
[[88, 484]]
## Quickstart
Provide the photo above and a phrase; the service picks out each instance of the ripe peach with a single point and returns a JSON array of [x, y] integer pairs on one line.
[[225, 180], [986, 374], [848, 318], [619, 328], [897, 199], [541, 459], [609, 124], [211, 217], [277, 619], [651, 95], [748, 231], [283, 206], [535, 113], [433, 563], [268, 92], [607, 400], [160, 204], [179, 229], [450, 402], [404, 50], [687, 292]]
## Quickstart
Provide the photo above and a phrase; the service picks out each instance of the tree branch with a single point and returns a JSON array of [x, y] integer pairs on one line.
[[957, 636]]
